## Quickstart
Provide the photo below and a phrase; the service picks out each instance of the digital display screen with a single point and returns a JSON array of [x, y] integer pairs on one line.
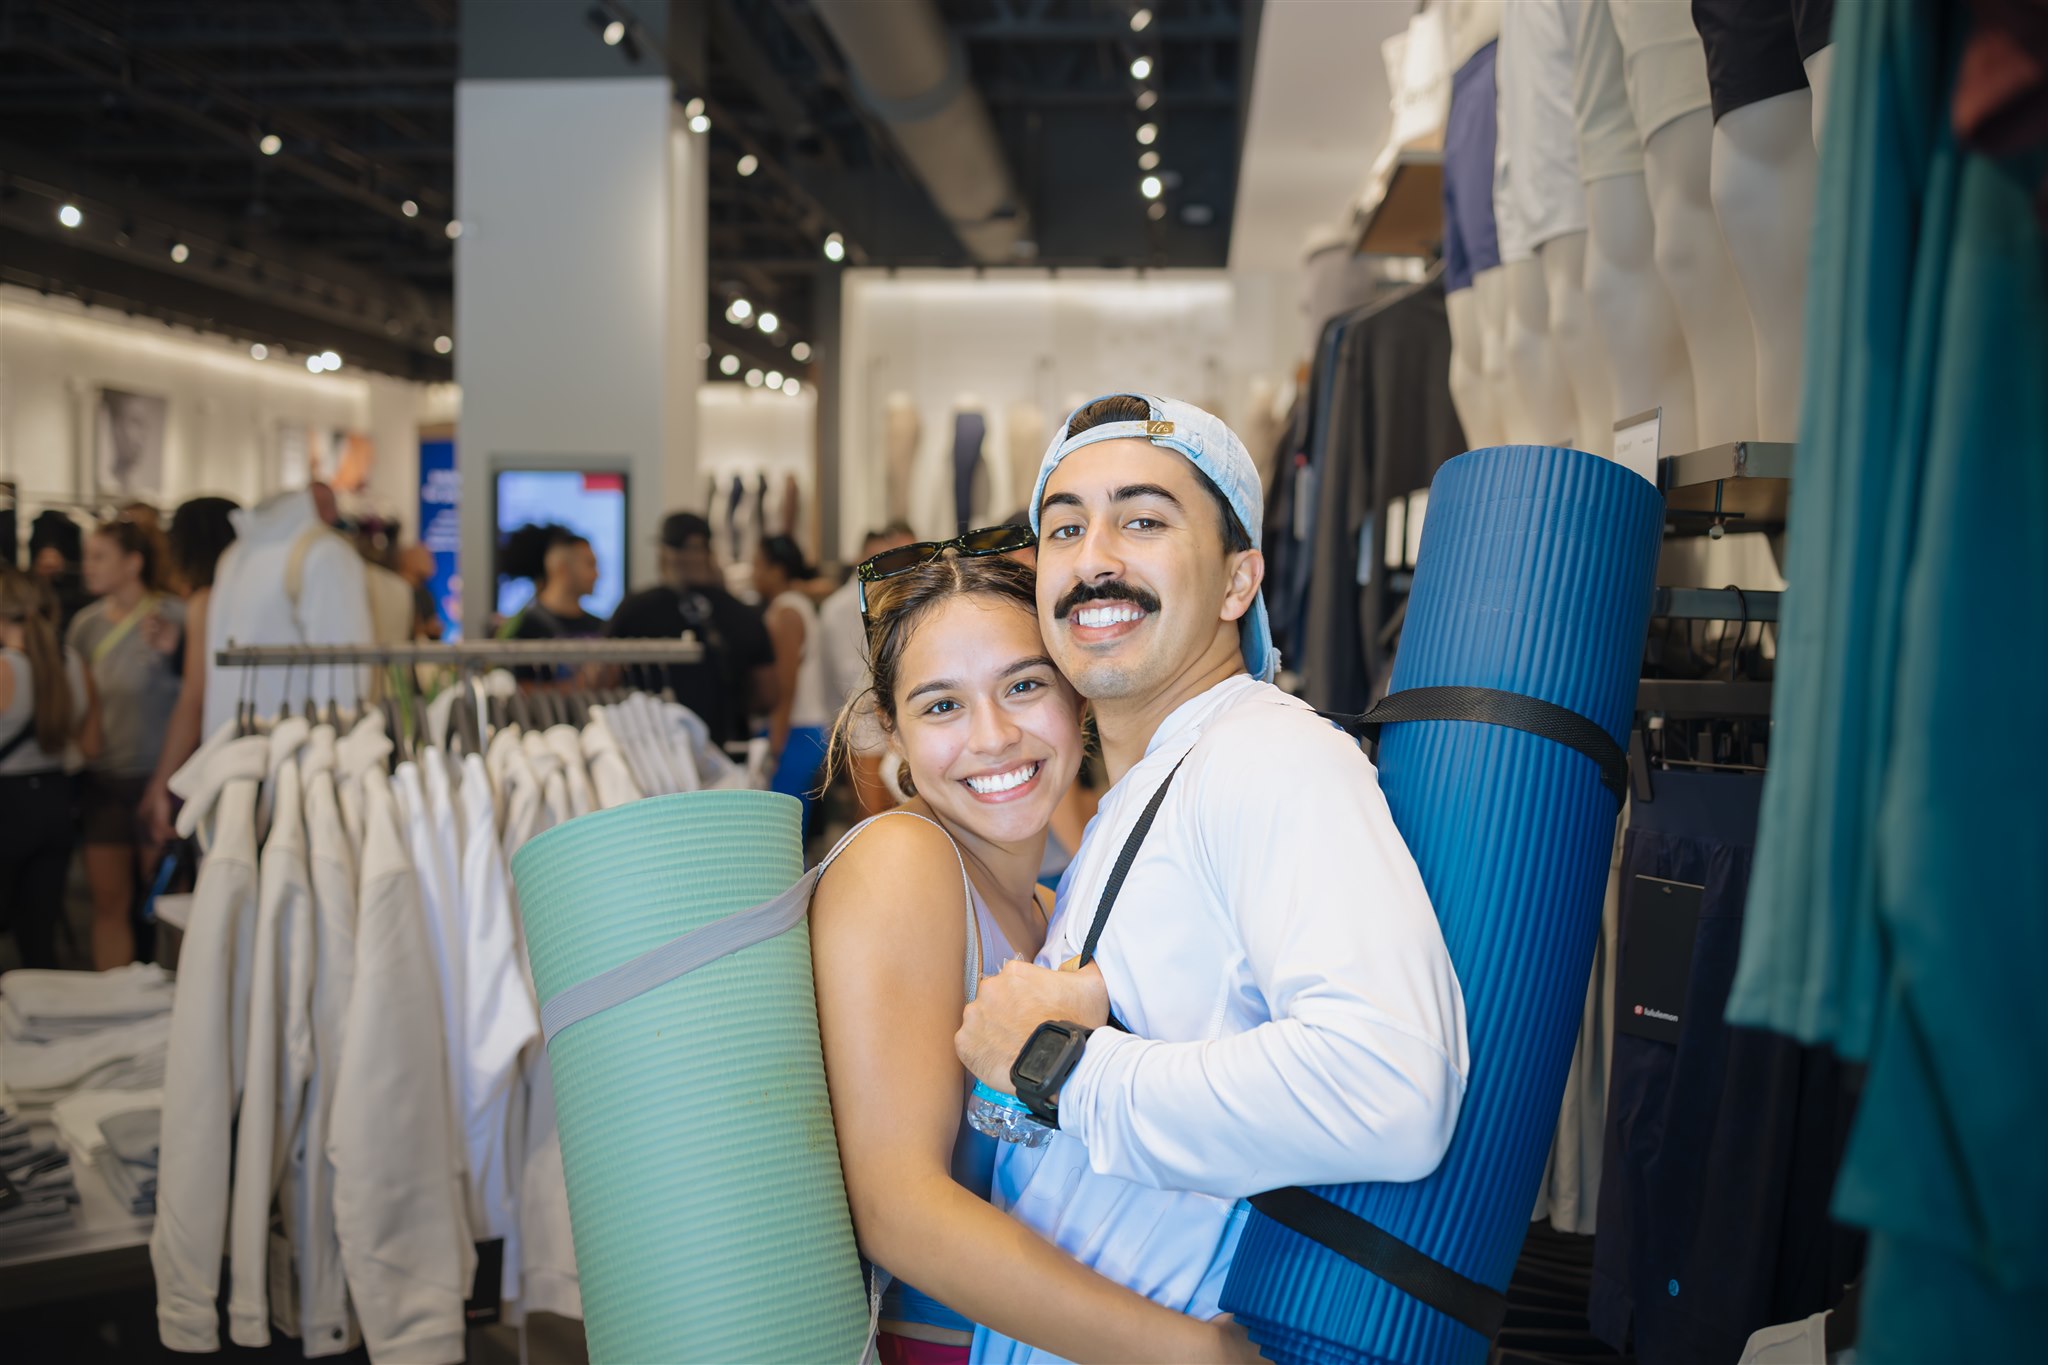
[[592, 503]]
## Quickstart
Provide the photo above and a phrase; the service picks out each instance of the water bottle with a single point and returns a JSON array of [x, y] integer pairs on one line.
[[1005, 1118]]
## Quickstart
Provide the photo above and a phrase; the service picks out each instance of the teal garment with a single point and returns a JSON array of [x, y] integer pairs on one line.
[[1899, 908]]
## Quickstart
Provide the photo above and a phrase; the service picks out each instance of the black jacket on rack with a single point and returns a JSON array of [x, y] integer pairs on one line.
[[1390, 425]]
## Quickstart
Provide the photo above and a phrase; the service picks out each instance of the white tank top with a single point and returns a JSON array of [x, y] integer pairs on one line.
[[808, 708]]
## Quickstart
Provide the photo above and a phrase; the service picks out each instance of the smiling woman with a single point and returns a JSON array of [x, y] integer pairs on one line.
[[911, 915]]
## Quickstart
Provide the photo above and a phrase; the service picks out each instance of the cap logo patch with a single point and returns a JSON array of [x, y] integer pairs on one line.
[[1159, 428]]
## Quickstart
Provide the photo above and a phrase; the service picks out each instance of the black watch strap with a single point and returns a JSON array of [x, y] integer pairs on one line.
[[1043, 1100]]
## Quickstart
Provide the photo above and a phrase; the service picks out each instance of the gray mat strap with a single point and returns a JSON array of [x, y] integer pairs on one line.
[[678, 957]]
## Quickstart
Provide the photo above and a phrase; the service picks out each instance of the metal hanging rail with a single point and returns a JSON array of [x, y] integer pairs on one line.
[[467, 655]]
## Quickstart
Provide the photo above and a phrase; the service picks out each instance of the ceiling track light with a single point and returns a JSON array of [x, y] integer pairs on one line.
[[410, 208], [443, 345], [1141, 20], [1151, 187], [614, 33], [749, 164], [270, 144], [1149, 161], [800, 352], [1148, 133], [701, 123], [1146, 99], [1141, 68], [69, 216], [835, 248]]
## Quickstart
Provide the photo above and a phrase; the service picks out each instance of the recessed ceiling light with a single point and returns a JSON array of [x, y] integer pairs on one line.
[[1148, 133], [835, 248], [443, 345], [614, 33], [1150, 187], [314, 364], [330, 360], [69, 216], [774, 379], [270, 144], [410, 209], [749, 164], [769, 322], [1141, 68], [180, 253], [791, 387], [1149, 161], [1155, 212], [454, 228], [700, 124], [801, 351], [258, 351], [1146, 99], [1141, 20], [729, 365], [753, 379], [740, 310], [693, 108]]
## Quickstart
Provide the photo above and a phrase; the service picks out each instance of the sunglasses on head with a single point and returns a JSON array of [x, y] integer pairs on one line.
[[989, 540]]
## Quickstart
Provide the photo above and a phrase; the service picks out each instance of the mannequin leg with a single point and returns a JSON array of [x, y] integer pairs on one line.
[[1694, 265], [1818, 67], [1645, 350], [1535, 372], [1491, 286], [1579, 344], [1692, 258], [1763, 181], [1478, 414]]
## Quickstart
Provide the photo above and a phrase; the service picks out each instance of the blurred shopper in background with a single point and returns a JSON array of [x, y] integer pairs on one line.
[[49, 727], [565, 574], [416, 567], [796, 726], [201, 531], [736, 679], [137, 685], [843, 642], [55, 548]]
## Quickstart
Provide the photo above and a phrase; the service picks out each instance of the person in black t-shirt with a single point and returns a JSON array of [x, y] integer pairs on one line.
[[736, 679], [568, 574]]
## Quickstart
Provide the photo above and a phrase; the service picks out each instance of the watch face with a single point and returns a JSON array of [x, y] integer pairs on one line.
[[1039, 1055]]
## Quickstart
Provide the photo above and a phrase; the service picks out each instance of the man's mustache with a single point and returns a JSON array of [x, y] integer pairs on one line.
[[1083, 593]]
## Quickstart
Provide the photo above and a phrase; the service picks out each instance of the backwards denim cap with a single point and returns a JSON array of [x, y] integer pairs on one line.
[[1219, 456]]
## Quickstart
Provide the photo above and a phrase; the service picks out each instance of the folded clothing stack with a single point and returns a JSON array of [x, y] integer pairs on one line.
[[46, 1006], [64, 1032], [36, 1192], [117, 1131]]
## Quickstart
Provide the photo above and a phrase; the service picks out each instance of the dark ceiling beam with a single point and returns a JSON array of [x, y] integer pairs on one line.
[[1162, 29], [35, 263], [749, 65], [1014, 96]]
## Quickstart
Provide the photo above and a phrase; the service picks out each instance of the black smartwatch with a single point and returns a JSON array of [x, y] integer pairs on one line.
[[1049, 1057]]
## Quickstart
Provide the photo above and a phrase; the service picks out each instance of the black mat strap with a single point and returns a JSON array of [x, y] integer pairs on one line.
[[1488, 706], [1364, 1244]]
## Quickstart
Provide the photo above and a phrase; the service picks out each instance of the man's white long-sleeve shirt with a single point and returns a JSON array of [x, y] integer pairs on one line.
[[1294, 1016]]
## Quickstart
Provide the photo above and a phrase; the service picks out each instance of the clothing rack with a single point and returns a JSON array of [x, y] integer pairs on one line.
[[467, 656]]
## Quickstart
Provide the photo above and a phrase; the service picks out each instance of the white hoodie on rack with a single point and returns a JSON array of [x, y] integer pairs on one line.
[[203, 1072], [280, 1040], [250, 607], [320, 1318], [399, 1214]]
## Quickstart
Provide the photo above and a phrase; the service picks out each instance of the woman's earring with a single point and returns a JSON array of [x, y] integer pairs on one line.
[[903, 780]]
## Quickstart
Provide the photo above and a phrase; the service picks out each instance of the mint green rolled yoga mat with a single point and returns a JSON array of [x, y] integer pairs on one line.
[[705, 1193]]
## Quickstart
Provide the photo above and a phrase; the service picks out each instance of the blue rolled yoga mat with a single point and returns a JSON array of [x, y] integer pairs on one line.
[[705, 1194], [1535, 577]]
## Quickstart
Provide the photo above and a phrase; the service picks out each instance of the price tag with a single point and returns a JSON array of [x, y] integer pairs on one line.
[[1637, 442]]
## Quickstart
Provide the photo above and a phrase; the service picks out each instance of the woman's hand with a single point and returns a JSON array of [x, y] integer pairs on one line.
[[160, 635], [156, 812]]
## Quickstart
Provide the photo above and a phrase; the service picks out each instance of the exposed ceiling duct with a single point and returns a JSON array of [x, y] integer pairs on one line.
[[913, 75]]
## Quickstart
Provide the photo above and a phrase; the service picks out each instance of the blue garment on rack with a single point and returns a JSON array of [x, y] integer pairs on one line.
[[1471, 237], [1896, 908]]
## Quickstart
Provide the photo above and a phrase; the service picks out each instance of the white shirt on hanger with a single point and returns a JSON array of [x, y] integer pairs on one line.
[[203, 1072], [501, 1019], [280, 1040], [399, 1215], [566, 741], [322, 1323], [608, 771], [441, 914], [1296, 1020]]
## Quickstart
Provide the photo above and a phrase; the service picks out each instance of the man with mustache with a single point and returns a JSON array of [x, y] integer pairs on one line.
[[1284, 1009]]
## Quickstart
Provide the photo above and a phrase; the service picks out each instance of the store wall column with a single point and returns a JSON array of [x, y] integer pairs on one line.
[[580, 269], [826, 377]]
